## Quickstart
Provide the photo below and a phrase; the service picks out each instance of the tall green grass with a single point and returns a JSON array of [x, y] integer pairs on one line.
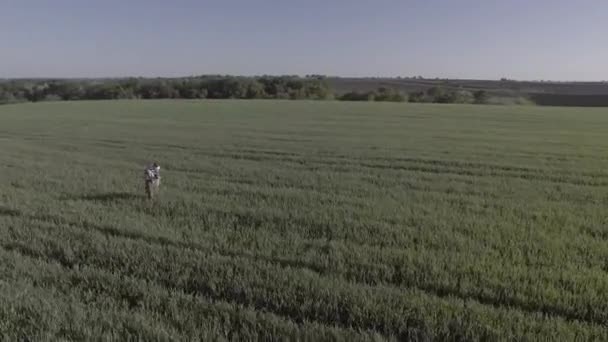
[[303, 221]]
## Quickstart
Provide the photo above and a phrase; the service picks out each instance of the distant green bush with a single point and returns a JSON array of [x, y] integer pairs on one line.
[[355, 96], [480, 97], [417, 96], [441, 95], [7, 97], [389, 94], [382, 94], [52, 97]]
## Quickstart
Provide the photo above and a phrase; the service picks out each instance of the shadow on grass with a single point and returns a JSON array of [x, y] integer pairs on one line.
[[4, 211], [106, 197]]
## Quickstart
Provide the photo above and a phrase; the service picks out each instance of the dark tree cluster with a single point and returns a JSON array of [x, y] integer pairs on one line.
[[212, 87], [381, 94], [431, 95], [441, 95]]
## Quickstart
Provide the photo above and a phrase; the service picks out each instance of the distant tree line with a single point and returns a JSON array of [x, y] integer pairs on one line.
[[217, 87], [204, 87]]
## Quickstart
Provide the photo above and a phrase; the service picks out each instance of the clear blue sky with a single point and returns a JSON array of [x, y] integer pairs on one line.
[[533, 39]]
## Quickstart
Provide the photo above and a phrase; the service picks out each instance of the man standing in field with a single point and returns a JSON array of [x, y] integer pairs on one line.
[[152, 177]]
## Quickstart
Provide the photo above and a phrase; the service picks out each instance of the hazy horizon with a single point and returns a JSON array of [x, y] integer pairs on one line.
[[544, 40]]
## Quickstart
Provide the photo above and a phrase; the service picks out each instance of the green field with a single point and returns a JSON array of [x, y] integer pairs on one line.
[[303, 220]]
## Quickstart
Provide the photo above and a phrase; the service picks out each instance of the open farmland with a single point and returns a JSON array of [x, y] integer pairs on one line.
[[303, 220]]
